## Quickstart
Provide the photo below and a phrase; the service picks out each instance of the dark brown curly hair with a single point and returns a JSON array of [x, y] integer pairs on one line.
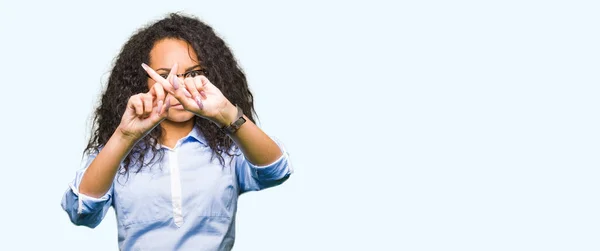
[[127, 78]]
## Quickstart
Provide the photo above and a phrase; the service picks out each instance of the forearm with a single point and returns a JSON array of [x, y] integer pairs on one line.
[[99, 176], [258, 147]]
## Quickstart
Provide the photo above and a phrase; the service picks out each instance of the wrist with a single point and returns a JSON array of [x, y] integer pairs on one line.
[[127, 139], [226, 115]]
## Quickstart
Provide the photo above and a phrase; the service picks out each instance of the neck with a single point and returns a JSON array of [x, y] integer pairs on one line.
[[174, 131]]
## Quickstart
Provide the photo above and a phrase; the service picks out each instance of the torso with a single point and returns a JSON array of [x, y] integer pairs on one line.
[[147, 203]]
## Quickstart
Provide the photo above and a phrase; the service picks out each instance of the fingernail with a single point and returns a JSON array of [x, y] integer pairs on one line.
[[145, 66], [186, 93], [159, 106], [203, 94], [168, 105], [199, 102], [175, 82]]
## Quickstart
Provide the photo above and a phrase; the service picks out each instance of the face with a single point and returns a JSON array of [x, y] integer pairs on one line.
[[163, 55]]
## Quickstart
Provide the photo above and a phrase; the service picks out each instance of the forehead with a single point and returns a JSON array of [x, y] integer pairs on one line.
[[169, 51]]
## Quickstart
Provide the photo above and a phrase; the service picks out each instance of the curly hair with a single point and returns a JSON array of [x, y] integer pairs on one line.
[[127, 78]]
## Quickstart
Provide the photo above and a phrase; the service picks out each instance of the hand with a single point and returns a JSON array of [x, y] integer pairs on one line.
[[144, 112], [199, 96]]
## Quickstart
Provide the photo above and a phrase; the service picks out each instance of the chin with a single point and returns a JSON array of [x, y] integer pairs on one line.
[[180, 116]]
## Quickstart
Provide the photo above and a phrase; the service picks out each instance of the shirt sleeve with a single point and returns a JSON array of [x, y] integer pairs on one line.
[[254, 178], [84, 210]]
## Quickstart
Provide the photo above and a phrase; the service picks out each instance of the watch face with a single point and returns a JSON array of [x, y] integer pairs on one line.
[[236, 124], [239, 122]]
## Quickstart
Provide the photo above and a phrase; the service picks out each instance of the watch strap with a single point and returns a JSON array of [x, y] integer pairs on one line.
[[233, 127]]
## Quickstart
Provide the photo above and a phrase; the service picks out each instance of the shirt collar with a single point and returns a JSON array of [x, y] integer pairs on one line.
[[195, 134]]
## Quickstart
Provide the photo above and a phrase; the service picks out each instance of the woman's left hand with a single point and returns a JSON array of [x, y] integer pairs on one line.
[[199, 96]]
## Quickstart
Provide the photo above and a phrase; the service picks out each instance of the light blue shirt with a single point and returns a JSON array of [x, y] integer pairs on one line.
[[185, 202]]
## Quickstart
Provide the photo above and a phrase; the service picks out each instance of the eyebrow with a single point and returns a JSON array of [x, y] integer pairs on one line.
[[188, 69]]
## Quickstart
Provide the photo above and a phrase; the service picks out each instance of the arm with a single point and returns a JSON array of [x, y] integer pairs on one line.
[[90, 194], [264, 163], [99, 176], [257, 147], [81, 209]]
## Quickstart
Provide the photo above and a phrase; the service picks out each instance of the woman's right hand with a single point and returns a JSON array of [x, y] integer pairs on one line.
[[144, 112]]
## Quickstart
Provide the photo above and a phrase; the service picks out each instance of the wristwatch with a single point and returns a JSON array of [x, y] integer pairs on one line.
[[233, 127]]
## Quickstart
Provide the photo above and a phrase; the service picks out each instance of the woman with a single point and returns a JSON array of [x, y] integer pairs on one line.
[[174, 143]]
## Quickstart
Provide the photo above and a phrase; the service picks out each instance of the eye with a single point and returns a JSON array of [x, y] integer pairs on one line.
[[164, 76], [194, 73]]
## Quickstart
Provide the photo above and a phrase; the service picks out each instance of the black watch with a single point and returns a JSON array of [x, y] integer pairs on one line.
[[236, 124]]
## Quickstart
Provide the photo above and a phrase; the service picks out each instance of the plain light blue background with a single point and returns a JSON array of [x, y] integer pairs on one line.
[[416, 125]]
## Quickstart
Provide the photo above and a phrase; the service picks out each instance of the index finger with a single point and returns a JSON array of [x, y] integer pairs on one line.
[[159, 79]]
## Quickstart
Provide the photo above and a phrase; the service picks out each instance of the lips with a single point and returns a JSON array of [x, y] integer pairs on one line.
[[177, 106]]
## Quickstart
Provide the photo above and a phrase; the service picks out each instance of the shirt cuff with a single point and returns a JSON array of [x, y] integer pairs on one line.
[[277, 170], [87, 204]]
